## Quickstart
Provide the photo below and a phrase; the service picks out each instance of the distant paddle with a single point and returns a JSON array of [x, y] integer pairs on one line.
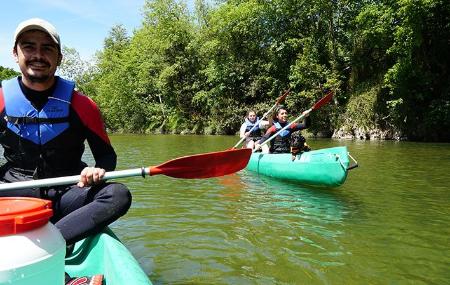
[[204, 165], [316, 106], [278, 102]]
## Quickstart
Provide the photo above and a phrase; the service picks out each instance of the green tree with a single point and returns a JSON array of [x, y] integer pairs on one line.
[[200, 72], [7, 73], [418, 81], [72, 66], [114, 84]]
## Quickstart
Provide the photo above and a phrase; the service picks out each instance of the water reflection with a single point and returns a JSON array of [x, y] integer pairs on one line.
[[387, 224], [309, 201], [237, 229]]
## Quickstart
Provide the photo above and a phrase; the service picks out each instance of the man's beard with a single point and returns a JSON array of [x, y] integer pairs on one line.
[[38, 79]]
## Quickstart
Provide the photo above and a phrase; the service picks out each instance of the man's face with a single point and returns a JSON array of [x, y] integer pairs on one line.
[[38, 56]]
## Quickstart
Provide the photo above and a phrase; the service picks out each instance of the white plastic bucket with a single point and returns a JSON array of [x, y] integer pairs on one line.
[[32, 250]]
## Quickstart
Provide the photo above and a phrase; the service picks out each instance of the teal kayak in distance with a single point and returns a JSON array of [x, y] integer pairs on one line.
[[105, 254], [323, 167]]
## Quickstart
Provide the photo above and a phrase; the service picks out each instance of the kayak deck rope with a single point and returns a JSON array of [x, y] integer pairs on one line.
[[338, 157], [355, 164]]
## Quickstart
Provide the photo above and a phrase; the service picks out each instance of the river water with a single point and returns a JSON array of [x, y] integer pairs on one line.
[[388, 224]]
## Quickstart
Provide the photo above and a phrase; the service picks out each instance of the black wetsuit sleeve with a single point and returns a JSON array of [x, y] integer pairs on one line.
[[270, 132], [306, 124], [94, 129], [104, 154]]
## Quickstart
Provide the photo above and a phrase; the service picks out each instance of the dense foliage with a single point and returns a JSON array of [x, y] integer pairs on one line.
[[7, 73], [199, 71]]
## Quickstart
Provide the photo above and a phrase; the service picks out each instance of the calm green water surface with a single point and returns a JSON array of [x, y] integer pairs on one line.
[[388, 224]]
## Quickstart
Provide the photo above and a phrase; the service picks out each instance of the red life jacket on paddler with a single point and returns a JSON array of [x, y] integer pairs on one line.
[[39, 142]]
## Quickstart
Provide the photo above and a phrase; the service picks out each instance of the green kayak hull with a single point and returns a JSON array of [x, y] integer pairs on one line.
[[105, 254], [323, 167]]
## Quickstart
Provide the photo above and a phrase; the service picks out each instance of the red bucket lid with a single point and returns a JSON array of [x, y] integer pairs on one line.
[[21, 214]]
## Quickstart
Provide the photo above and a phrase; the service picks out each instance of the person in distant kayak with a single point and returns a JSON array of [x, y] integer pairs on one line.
[[282, 142], [252, 128], [43, 127]]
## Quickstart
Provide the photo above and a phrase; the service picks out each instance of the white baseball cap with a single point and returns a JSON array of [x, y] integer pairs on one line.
[[37, 24]]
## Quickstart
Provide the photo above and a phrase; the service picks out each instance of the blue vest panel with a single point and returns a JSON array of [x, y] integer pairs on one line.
[[31, 124], [250, 124], [279, 127]]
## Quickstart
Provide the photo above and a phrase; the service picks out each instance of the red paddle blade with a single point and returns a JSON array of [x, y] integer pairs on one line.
[[283, 97], [205, 165], [323, 101]]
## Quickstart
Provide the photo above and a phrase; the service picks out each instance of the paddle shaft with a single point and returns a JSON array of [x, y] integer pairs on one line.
[[196, 166], [255, 125], [65, 180], [279, 100], [285, 127], [318, 104]]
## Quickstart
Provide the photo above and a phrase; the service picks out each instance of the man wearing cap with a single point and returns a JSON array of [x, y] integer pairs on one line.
[[44, 124]]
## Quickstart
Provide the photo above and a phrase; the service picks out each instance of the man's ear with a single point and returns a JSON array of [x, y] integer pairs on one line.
[[14, 53], [60, 57]]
